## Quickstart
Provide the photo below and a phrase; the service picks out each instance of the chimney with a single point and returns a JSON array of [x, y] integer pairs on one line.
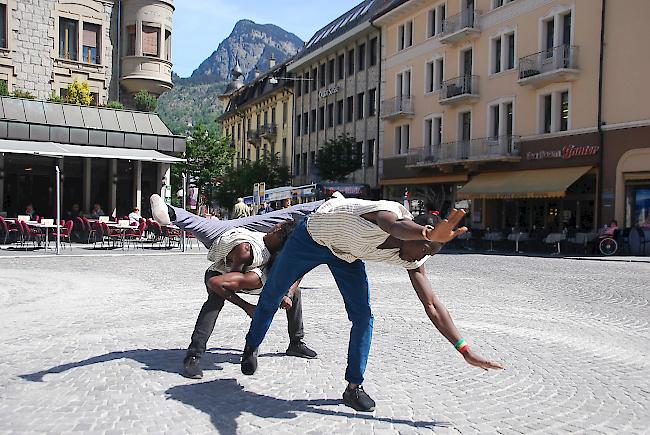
[[257, 72], [271, 62]]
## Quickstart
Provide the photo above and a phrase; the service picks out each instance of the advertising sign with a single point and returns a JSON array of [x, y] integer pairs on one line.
[[256, 194], [262, 192]]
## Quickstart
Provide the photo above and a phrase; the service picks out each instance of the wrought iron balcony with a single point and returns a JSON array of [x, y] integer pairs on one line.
[[397, 107], [268, 130], [459, 89], [460, 26], [555, 64], [253, 137], [501, 148]]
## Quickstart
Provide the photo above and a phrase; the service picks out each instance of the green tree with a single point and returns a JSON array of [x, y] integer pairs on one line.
[[338, 158], [145, 102], [238, 181], [208, 157]]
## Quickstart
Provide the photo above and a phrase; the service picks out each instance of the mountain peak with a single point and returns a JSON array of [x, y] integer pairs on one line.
[[251, 44]]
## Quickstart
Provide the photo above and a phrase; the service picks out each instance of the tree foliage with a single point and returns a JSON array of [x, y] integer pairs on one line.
[[238, 181], [79, 93], [145, 102], [208, 158], [338, 158]]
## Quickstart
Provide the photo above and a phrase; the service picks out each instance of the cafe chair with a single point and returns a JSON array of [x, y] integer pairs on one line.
[[7, 232], [65, 235]]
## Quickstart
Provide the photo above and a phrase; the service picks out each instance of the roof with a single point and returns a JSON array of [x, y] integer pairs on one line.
[[44, 121], [362, 12]]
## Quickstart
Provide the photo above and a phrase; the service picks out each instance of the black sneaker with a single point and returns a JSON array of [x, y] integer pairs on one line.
[[300, 350], [191, 368], [249, 360], [358, 399]]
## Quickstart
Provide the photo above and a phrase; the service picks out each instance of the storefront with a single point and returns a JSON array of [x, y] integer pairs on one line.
[[552, 188]]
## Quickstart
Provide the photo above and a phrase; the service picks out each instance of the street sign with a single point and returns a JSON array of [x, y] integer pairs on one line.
[[256, 194], [262, 192]]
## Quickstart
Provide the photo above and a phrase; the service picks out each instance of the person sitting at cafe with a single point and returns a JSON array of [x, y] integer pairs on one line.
[[97, 212], [29, 210], [134, 216], [74, 212]]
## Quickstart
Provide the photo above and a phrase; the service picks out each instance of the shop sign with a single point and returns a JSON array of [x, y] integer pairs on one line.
[[329, 91], [566, 153]]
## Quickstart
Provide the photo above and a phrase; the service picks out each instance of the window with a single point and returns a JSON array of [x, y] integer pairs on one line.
[[499, 3], [549, 29], [321, 75], [298, 125], [304, 163], [372, 102], [284, 150], [510, 53], [3, 25], [168, 45], [330, 115], [431, 23], [339, 112], [439, 72], [403, 84], [298, 89], [306, 83], [405, 35], [402, 139], [564, 111], [312, 162], [314, 76], [91, 43], [502, 53], [130, 40], [362, 57], [429, 77], [340, 66], [361, 107], [432, 132], [370, 153], [285, 112], [312, 120], [350, 109], [321, 118], [305, 123], [351, 62], [330, 71], [435, 19], [358, 152], [150, 38], [373, 51], [548, 113], [68, 33], [496, 55], [495, 124], [296, 164], [510, 125], [273, 117]]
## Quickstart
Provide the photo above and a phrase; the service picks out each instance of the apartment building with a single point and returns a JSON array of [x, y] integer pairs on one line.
[[112, 157], [337, 81], [259, 115], [497, 102]]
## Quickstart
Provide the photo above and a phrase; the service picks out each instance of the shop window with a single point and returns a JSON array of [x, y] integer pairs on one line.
[[637, 203], [3, 26], [130, 40], [91, 43], [150, 39], [68, 42]]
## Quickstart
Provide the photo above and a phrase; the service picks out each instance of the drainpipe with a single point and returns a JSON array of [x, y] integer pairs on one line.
[[601, 134], [378, 102], [119, 48]]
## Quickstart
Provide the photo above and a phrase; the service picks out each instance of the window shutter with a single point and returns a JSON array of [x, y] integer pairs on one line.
[[90, 36], [150, 41]]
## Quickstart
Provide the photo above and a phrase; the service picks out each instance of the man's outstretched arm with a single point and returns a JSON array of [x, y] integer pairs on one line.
[[441, 318], [406, 229], [228, 284]]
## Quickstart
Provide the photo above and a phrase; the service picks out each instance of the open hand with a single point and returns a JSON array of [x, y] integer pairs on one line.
[[478, 361], [445, 230], [286, 303]]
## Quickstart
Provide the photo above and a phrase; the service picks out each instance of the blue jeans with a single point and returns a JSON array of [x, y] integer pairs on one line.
[[300, 255]]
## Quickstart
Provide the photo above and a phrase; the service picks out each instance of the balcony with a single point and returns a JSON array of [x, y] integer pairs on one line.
[[459, 90], [557, 64], [460, 27], [397, 107], [496, 149], [253, 137], [144, 72], [268, 131]]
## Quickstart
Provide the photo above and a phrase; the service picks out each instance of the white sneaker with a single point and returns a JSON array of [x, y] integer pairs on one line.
[[159, 210]]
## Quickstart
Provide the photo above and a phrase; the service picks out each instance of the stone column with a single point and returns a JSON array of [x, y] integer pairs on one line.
[[87, 167], [137, 184], [2, 182], [60, 163], [112, 185]]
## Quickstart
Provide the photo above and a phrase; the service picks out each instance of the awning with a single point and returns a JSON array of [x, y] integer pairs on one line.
[[538, 183], [52, 149]]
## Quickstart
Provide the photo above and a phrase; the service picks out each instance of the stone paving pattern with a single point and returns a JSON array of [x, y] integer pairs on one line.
[[94, 345]]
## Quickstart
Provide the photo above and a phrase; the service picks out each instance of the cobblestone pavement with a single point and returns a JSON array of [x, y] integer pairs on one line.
[[94, 344]]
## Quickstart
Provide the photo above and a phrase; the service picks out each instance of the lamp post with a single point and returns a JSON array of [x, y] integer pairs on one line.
[[184, 207], [58, 210]]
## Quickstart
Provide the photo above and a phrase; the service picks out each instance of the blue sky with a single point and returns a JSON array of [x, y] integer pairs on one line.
[[200, 25]]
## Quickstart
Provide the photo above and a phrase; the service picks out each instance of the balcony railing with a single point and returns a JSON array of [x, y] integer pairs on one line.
[[268, 130], [398, 106], [459, 87], [457, 27], [253, 136], [556, 59], [501, 148]]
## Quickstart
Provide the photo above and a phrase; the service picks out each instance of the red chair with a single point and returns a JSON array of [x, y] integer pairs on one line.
[[66, 233], [30, 234], [137, 235], [4, 229]]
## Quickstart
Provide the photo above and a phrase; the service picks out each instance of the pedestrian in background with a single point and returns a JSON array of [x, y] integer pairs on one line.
[[240, 210]]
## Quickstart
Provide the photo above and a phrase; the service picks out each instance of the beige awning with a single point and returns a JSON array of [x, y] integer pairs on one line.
[[538, 183]]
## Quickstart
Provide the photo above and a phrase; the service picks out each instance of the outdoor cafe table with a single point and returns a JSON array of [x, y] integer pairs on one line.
[[122, 228], [41, 226]]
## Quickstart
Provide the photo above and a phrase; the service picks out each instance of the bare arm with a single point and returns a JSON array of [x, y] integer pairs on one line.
[[287, 301], [228, 284], [406, 229], [240, 256], [440, 317]]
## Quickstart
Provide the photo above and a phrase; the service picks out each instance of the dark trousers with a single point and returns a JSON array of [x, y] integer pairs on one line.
[[212, 307]]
